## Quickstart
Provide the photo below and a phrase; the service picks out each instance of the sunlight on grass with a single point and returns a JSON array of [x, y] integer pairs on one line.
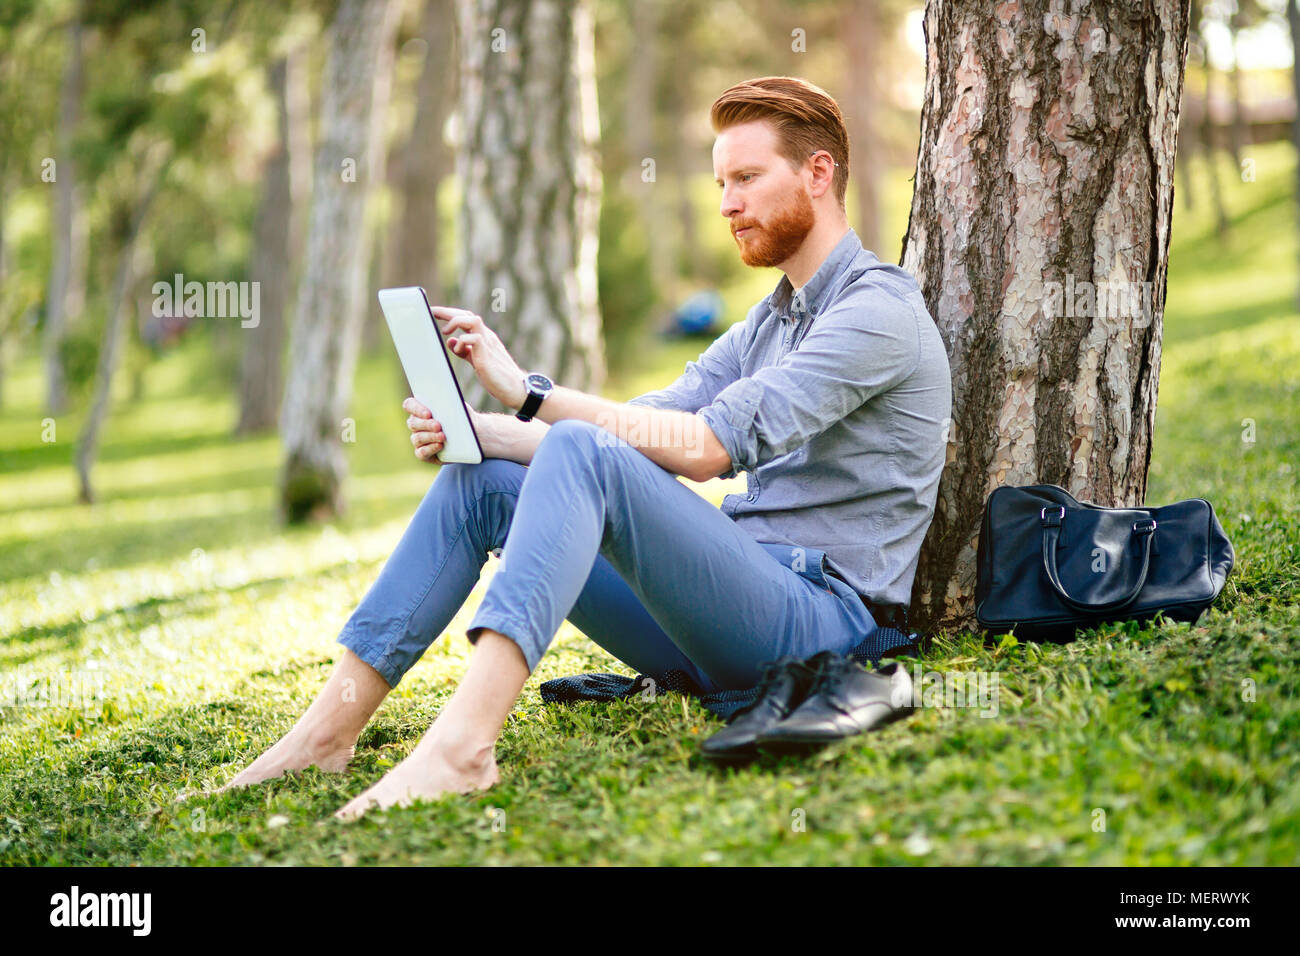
[[206, 628]]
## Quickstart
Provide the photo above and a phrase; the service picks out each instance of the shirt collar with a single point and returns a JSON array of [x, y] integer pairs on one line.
[[788, 305]]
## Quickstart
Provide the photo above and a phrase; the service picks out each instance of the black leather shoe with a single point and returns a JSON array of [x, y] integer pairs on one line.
[[785, 683], [847, 699]]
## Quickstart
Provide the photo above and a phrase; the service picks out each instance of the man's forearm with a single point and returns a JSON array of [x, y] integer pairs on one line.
[[679, 442], [504, 436]]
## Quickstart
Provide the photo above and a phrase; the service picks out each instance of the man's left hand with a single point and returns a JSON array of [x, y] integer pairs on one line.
[[469, 338]]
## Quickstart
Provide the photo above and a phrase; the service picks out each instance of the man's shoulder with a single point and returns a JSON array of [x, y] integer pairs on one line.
[[869, 276]]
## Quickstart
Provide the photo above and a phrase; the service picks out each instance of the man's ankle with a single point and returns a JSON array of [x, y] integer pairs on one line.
[[464, 754], [323, 741]]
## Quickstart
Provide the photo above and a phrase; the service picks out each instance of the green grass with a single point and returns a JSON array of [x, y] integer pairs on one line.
[[211, 629]]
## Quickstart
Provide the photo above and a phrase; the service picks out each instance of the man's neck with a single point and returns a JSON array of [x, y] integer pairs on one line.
[[823, 237]]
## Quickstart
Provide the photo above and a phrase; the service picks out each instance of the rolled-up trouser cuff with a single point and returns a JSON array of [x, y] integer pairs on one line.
[[532, 646], [371, 653]]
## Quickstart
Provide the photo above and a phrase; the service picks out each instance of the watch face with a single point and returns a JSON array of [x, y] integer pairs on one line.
[[539, 381]]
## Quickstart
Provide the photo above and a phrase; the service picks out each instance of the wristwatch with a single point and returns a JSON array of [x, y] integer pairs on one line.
[[539, 386]]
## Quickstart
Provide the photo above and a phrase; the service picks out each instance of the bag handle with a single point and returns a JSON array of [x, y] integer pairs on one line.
[[1052, 532]]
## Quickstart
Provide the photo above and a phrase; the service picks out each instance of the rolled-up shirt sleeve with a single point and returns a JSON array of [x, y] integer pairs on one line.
[[853, 351], [717, 367]]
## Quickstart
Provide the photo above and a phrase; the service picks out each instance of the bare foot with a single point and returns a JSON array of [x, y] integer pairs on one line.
[[293, 752], [424, 776]]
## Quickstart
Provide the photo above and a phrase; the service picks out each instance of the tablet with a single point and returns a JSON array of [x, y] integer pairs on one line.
[[426, 361]]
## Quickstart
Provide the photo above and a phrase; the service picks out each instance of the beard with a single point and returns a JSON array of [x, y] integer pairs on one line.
[[780, 238]]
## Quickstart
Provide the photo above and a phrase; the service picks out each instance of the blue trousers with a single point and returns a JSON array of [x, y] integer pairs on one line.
[[595, 532]]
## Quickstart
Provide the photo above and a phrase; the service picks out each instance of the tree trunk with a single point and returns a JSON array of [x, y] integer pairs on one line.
[[277, 245], [5, 320], [861, 35], [413, 257], [1293, 22], [1188, 124], [1237, 137], [332, 299], [642, 109], [111, 347], [1048, 137], [531, 187], [141, 298], [67, 289], [1209, 141], [688, 159]]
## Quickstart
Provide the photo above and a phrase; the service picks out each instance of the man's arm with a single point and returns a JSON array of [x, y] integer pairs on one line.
[[692, 449], [716, 368], [854, 351], [671, 435], [505, 436], [676, 441]]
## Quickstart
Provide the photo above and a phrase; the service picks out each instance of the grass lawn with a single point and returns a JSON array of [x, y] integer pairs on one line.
[[203, 630]]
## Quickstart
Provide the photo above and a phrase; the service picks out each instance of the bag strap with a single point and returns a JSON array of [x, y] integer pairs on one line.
[[1051, 533]]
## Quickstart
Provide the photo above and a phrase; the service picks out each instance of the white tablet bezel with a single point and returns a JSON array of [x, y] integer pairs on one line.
[[419, 342]]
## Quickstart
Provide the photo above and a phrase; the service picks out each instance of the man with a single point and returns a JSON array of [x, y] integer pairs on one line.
[[832, 396]]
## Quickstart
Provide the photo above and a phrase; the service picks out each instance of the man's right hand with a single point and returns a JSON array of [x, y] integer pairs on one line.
[[426, 433]]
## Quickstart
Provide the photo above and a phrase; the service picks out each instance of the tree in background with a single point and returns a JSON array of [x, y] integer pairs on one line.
[[150, 162], [423, 161], [332, 300], [277, 245], [1044, 178], [155, 102], [864, 23], [531, 183], [1201, 25], [66, 296], [1293, 24]]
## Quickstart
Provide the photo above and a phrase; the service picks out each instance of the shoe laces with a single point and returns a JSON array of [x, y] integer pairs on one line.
[[826, 669], [772, 672]]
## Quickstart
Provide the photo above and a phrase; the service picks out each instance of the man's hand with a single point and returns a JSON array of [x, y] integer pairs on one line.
[[426, 434], [470, 338]]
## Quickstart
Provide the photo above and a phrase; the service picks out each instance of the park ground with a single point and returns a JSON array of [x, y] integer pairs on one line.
[[201, 631]]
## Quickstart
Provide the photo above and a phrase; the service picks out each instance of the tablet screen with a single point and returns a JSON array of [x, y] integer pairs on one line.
[[426, 361]]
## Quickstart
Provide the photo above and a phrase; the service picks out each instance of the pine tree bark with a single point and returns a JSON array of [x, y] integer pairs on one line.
[[1048, 136], [332, 299], [277, 247], [531, 186]]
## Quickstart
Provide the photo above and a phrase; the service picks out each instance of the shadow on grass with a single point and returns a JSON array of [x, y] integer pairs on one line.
[[257, 478], [142, 614], [60, 454], [157, 539]]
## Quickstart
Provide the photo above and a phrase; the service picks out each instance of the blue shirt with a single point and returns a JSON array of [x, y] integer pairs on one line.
[[835, 401]]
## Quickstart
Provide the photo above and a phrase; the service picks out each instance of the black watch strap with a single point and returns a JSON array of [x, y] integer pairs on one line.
[[537, 392], [529, 408]]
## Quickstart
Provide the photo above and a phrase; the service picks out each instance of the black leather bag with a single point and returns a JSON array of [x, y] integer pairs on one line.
[[1048, 564]]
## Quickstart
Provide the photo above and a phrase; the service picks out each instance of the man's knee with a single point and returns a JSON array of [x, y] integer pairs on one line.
[[574, 434], [490, 472]]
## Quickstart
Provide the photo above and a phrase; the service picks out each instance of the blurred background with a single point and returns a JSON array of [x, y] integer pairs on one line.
[[192, 502], [149, 143]]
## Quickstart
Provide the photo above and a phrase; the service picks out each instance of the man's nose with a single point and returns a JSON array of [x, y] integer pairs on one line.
[[730, 207]]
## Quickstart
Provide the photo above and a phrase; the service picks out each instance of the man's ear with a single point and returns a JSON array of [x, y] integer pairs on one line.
[[816, 189]]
